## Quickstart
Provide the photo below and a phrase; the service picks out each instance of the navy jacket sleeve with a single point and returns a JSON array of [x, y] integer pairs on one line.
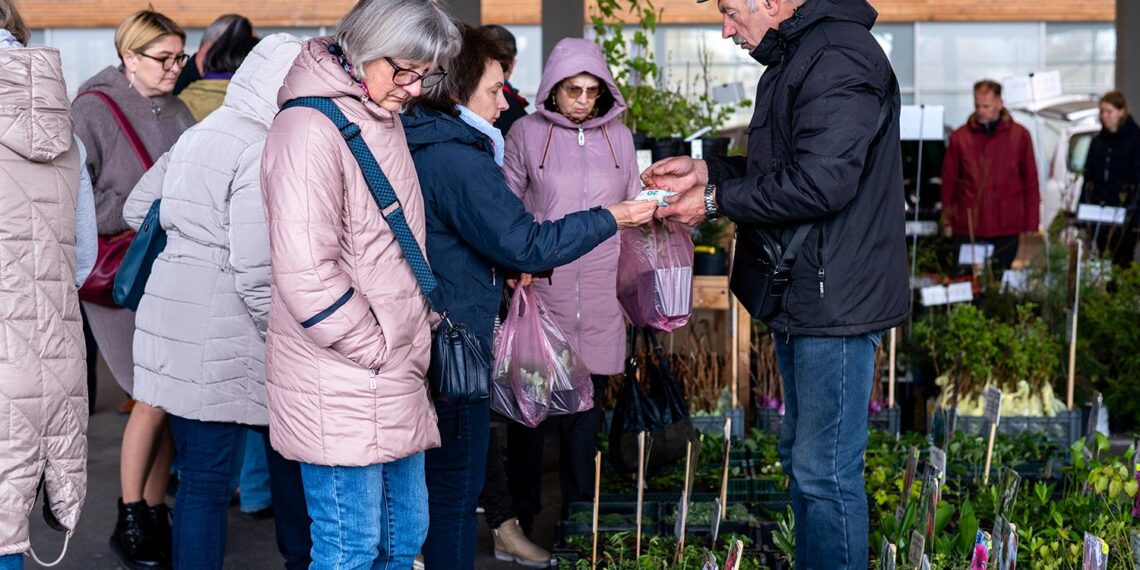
[[722, 168], [834, 120], [474, 200]]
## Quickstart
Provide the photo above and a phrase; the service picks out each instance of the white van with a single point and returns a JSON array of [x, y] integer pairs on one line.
[[1062, 129]]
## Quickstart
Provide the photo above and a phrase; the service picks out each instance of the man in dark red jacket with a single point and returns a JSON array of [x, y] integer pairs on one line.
[[989, 179]]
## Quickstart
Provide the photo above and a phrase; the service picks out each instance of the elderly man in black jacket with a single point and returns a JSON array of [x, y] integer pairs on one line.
[[822, 179]]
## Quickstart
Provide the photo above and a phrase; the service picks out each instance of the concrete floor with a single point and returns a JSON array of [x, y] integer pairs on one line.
[[251, 544]]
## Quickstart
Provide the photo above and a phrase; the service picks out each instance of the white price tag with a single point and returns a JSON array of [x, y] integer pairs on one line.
[[1094, 214], [960, 292], [934, 296], [975, 254], [938, 458], [1016, 280], [993, 405], [697, 150]]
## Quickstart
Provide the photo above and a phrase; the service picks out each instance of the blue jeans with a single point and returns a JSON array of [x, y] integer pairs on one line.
[[827, 388], [372, 517], [254, 477], [209, 459], [290, 515], [12, 562], [455, 473]]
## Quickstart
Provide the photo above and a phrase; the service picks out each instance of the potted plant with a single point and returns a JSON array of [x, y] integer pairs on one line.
[[708, 248]]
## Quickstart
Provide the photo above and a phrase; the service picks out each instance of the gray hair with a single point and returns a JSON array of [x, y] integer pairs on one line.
[[411, 30], [219, 27]]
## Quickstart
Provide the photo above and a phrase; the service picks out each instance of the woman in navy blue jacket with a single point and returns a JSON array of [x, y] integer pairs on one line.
[[477, 231]]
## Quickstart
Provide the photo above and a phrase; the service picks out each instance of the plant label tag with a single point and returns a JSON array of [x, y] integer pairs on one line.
[[1094, 214], [915, 553], [1015, 280], [1001, 528], [981, 551], [735, 555], [993, 405], [1009, 554], [1094, 419], [921, 228], [925, 563], [934, 296], [938, 458], [975, 254], [1010, 484], [710, 562], [908, 483], [717, 510], [697, 150], [1096, 553], [960, 292], [644, 160], [888, 556], [679, 526]]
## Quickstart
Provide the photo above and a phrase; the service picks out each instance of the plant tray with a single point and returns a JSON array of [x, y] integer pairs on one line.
[[770, 420], [715, 424], [1063, 429]]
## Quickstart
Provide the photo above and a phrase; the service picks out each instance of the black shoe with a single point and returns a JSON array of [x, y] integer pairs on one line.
[[259, 514], [130, 542], [158, 520]]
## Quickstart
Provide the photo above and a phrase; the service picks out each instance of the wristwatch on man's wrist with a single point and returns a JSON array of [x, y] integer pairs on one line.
[[711, 212]]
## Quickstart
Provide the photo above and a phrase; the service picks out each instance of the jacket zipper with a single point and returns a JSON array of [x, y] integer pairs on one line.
[[578, 268], [493, 280], [372, 374], [581, 136], [819, 252]]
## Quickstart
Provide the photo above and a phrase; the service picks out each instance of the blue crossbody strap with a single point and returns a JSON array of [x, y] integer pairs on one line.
[[381, 190]]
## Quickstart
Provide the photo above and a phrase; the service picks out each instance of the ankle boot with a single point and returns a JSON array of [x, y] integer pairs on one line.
[[130, 542], [158, 528], [512, 545]]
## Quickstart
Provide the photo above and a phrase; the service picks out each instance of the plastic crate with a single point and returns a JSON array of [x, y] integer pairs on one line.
[[650, 516], [1063, 429], [715, 424]]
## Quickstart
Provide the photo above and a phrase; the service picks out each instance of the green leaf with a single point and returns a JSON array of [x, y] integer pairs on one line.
[[1115, 488], [1131, 487]]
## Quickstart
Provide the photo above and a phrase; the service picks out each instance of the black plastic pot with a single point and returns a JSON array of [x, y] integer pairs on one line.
[[667, 147], [715, 146], [710, 263]]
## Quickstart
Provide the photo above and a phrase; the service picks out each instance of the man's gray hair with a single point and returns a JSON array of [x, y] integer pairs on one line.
[[218, 27], [754, 5], [409, 30]]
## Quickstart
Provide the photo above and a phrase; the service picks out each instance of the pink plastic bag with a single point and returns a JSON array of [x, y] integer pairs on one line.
[[537, 373], [655, 275]]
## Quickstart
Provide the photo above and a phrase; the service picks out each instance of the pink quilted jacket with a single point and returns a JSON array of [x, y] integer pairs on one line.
[[349, 330]]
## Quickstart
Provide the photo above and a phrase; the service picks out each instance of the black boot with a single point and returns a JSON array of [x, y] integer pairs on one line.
[[158, 527], [131, 542]]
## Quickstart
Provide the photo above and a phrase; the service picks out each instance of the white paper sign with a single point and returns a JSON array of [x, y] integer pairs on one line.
[[921, 228], [993, 405], [976, 254], [921, 122], [1016, 280], [960, 292], [728, 93], [1094, 214], [1029, 88], [934, 296], [1047, 85]]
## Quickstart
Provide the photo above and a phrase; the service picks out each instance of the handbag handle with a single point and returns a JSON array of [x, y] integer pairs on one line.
[[382, 193], [125, 126]]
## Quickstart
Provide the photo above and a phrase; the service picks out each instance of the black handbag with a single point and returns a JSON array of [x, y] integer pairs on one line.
[[662, 412], [460, 369], [762, 270]]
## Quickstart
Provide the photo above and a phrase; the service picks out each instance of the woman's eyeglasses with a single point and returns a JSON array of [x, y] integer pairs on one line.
[[575, 91], [404, 77], [169, 61]]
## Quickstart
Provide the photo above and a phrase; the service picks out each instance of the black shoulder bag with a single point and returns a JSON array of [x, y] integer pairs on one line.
[[460, 368]]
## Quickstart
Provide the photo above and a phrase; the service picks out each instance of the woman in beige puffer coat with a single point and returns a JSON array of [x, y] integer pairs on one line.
[[199, 349], [43, 389]]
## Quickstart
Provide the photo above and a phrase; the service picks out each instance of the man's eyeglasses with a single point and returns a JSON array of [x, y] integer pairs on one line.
[[169, 61], [575, 91], [404, 77]]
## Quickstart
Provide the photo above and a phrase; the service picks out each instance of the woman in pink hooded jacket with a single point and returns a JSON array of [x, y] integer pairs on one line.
[[573, 154]]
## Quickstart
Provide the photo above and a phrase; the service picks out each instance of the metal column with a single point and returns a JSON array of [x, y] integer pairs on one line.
[[1127, 48], [563, 19]]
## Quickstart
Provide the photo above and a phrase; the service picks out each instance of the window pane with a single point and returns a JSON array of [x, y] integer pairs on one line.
[[528, 70], [897, 41], [954, 56], [84, 52]]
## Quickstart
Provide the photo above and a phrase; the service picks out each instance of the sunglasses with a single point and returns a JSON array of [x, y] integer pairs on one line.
[[404, 77], [169, 61], [575, 91]]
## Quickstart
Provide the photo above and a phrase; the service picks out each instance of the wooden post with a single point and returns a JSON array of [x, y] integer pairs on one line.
[[684, 514], [640, 488], [989, 454], [892, 372], [597, 499], [1073, 340], [724, 478]]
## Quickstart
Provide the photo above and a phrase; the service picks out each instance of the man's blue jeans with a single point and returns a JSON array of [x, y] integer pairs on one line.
[[827, 388], [372, 517], [12, 562]]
